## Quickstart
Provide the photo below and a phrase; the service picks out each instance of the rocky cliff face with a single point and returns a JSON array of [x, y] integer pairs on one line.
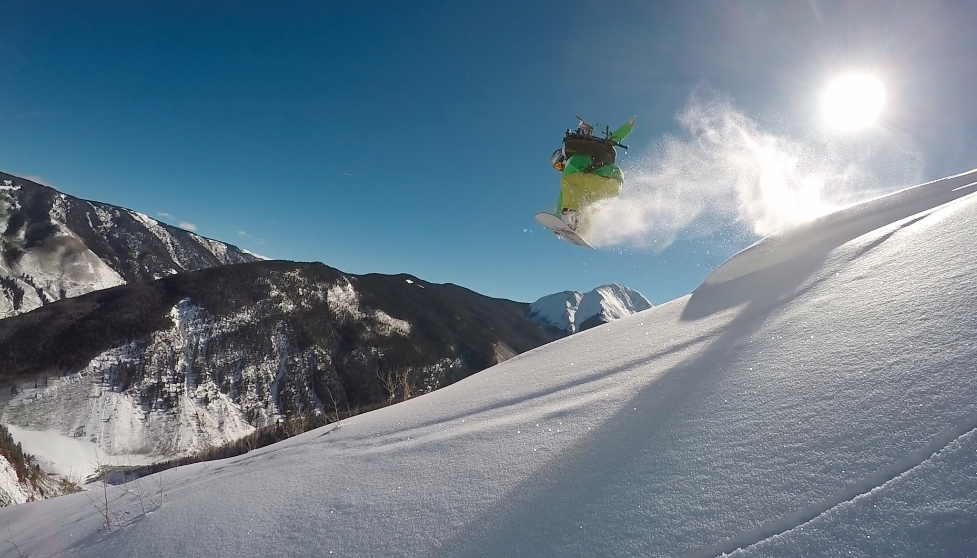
[[200, 358], [54, 246]]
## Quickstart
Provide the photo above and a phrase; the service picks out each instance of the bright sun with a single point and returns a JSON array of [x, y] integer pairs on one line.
[[853, 101]]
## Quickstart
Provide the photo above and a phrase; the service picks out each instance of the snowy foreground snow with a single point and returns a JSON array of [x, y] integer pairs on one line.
[[815, 397]]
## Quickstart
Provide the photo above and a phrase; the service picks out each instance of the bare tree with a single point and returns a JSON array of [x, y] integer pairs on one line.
[[335, 416], [390, 383], [397, 382], [296, 425], [101, 502], [406, 387], [136, 487], [161, 480]]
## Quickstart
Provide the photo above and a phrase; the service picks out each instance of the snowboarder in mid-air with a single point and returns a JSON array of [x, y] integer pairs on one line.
[[589, 174]]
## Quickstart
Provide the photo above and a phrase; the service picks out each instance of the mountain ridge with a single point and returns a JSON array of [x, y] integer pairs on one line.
[[197, 359], [144, 339], [54, 246]]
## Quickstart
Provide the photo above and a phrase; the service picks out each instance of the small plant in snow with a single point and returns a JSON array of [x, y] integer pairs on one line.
[[102, 500], [160, 479]]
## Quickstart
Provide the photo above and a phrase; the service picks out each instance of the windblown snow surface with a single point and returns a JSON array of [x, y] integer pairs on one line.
[[815, 397]]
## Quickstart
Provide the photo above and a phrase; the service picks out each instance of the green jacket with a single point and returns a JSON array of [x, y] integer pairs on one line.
[[579, 187]]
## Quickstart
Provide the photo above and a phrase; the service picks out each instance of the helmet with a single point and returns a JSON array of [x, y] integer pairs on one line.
[[558, 160]]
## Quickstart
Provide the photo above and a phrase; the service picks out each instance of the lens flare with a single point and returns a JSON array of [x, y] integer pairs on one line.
[[853, 102]]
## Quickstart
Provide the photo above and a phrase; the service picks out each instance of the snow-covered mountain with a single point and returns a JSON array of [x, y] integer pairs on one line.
[[137, 374], [54, 246], [197, 359], [814, 397], [570, 311]]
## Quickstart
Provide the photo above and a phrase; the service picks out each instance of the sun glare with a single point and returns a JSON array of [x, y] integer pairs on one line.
[[853, 102]]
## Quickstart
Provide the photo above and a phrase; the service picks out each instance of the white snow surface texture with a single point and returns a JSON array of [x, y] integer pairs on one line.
[[568, 310], [819, 406]]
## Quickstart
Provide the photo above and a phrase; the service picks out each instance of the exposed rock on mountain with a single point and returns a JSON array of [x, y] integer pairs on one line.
[[199, 358], [54, 246]]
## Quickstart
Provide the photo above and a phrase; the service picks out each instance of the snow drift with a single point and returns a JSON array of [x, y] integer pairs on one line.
[[818, 405]]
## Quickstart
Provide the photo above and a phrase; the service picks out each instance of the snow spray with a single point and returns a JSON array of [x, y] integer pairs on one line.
[[724, 171]]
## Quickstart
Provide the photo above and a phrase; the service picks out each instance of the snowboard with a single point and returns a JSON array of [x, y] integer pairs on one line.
[[560, 229]]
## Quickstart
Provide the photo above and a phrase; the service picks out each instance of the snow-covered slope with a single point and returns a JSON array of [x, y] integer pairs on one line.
[[819, 406], [54, 246], [571, 311]]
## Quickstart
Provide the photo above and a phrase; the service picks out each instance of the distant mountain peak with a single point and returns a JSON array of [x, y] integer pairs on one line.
[[571, 311]]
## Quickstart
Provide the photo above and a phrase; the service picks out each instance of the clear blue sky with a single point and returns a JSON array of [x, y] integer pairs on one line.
[[415, 136]]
